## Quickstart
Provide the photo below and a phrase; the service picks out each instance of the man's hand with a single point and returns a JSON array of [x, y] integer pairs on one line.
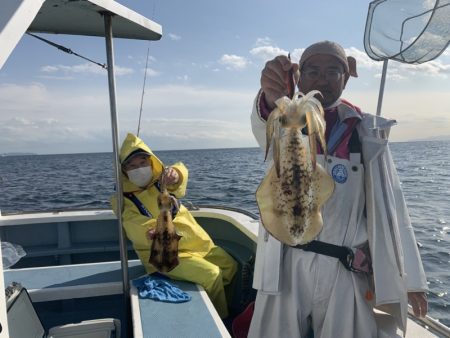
[[172, 176], [277, 77], [419, 303]]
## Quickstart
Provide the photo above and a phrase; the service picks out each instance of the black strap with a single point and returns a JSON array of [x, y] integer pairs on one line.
[[354, 144], [142, 209], [343, 253]]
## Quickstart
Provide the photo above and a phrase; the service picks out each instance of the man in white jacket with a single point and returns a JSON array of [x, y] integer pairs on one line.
[[300, 291]]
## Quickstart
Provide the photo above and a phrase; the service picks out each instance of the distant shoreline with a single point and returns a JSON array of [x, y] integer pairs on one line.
[[443, 139], [110, 152], [17, 154]]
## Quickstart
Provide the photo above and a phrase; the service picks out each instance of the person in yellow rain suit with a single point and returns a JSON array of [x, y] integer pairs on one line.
[[201, 261]]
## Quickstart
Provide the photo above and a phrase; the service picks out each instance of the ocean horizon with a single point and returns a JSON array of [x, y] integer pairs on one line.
[[444, 138]]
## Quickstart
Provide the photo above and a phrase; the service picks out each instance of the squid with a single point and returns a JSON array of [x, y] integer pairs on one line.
[[164, 247], [295, 187]]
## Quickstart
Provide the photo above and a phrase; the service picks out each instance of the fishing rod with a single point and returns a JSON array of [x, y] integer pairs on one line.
[[143, 91], [145, 77]]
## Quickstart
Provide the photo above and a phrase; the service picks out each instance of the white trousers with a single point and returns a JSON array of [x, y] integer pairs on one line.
[[316, 292]]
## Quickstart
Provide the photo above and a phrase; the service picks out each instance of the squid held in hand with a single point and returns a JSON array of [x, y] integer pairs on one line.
[[164, 247], [296, 186]]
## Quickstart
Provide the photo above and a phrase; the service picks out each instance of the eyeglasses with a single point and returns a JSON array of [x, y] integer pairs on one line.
[[330, 75]]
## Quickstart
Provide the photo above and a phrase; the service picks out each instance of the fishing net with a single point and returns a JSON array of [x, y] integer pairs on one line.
[[409, 31]]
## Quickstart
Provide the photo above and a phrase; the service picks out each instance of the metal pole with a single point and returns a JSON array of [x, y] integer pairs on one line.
[[117, 170], [382, 83]]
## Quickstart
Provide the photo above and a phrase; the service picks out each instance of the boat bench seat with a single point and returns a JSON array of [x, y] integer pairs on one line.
[[198, 315], [194, 318], [73, 281]]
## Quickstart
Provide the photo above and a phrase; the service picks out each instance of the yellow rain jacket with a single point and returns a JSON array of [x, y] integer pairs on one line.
[[200, 260]]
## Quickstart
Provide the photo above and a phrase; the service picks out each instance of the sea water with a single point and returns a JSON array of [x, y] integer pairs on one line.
[[230, 177]]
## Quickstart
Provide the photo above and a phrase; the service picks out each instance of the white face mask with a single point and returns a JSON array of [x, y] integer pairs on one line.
[[140, 176]]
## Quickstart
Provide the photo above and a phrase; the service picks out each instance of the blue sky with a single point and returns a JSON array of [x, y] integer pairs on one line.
[[202, 78]]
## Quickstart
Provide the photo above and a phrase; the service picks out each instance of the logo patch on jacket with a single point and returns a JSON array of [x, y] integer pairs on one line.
[[339, 173]]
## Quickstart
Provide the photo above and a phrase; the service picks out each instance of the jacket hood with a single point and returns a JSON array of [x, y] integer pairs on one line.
[[133, 144]]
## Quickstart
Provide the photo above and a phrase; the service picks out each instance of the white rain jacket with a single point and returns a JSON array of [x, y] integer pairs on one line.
[[396, 262]]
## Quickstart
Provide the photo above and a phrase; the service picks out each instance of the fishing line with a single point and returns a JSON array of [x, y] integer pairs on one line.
[[68, 50]]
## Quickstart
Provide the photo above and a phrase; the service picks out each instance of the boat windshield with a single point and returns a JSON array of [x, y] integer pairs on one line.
[[409, 31]]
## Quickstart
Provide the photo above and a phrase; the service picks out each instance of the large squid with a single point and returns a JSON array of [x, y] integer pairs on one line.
[[164, 247], [296, 186]]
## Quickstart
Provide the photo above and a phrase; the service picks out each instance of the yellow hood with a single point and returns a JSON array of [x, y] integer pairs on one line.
[[131, 144]]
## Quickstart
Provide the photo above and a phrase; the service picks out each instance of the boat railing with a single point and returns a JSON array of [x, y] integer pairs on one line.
[[194, 207], [430, 324]]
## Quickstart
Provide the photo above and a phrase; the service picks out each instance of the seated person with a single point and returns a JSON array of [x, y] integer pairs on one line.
[[201, 261]]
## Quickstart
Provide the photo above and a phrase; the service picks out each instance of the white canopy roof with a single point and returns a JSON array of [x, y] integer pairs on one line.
[[76, 17]]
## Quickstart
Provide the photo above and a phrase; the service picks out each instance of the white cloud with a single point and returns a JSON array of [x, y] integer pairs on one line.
[[201, 134], [266, 53], [234, 61], [362, 60], [56, 77], [49, 136], [151, 72], [174, 37], [75, 106], [141, 60], [200, 130], [12, 98], [49, 69], [184, 78], [173, 117], [296, 54], [393, 75], [431, 68], [85, 68], [398, 71], [265, 41], [418, 115]]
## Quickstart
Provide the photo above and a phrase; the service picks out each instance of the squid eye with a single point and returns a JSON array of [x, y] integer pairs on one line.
[[283, 119]]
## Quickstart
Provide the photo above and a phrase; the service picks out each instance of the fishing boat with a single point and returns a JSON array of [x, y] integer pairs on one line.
[[76, 277]]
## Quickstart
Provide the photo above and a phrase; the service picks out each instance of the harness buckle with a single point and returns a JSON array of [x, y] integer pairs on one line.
[[347, 260], [361, 264]]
